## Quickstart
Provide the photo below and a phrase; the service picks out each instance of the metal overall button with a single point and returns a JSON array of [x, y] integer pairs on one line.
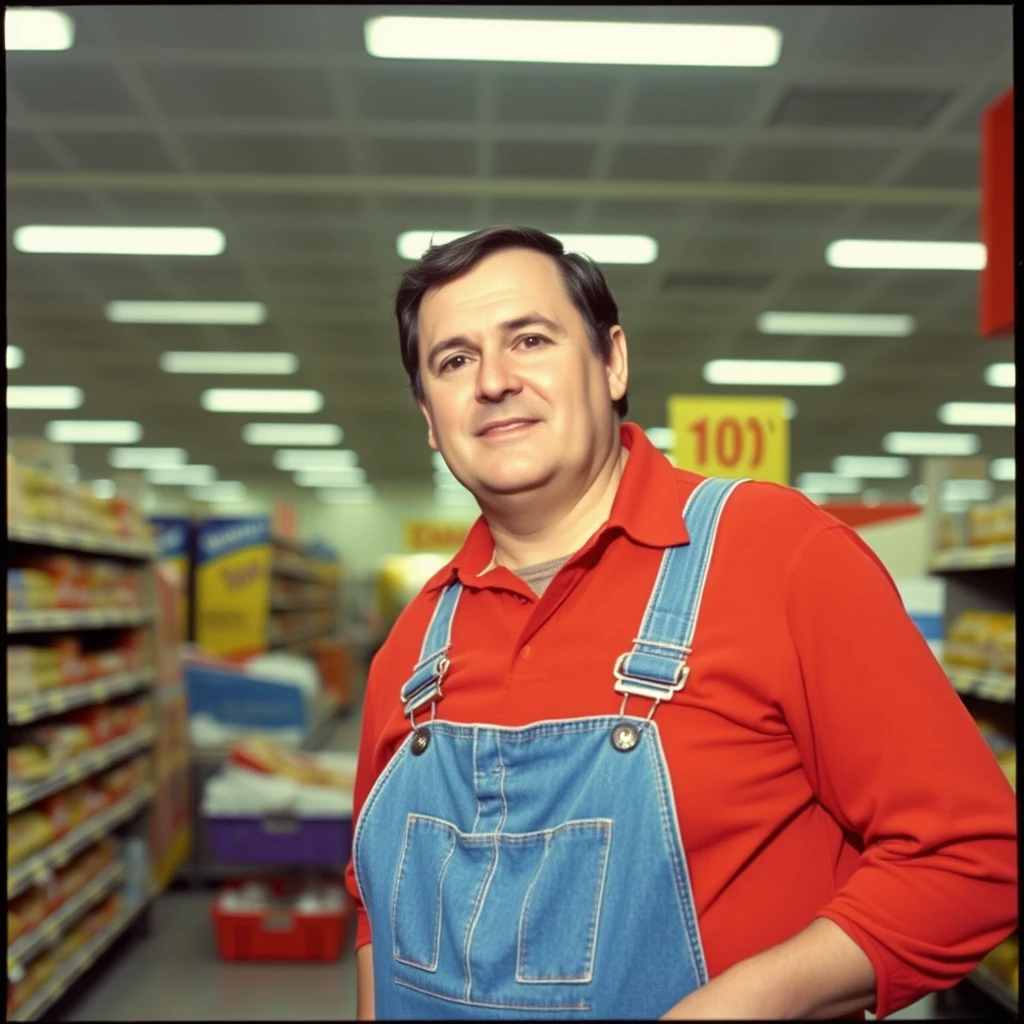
[[625, 736], [420, 740]]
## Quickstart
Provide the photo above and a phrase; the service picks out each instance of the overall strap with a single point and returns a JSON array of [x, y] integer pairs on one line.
[[656, 666], [425, 684]]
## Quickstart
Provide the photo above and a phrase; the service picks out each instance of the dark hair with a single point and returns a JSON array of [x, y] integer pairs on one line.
[[443, 263]]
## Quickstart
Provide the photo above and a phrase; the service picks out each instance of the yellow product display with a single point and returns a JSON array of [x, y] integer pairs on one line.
[[1004, 650], [953, 531], [972, 639], [980, 521], [1003, 961], [27, 833], [32, 669], [29, 762], [1008, 762], [1004, 521]]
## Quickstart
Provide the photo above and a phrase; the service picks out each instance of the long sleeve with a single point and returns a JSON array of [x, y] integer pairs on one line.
[[895, 757]]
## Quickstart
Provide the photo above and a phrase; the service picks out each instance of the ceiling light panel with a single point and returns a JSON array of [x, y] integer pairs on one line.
[[15, 357], [848, 325], [222, 491], [38, 29], [571, 42], [623, 249], [998, 375], [776, 372], [864, 254], [348, 496], [1003, 469], [219, 313], [927, 443], [238, 363], [261, 400], [279, 435], [829, 483], [147, 458], [44, 397], [873, 467], [978, 414], [103, 488], [292, 459], [117, 241], [966, 490], [181, 476], [351, 477], [93, 431]]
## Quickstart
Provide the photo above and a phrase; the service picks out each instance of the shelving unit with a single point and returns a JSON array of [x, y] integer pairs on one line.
[[29, 543]]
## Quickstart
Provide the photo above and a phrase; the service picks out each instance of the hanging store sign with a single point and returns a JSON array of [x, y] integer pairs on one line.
[[423, 536], [731, 436], [996, 300]]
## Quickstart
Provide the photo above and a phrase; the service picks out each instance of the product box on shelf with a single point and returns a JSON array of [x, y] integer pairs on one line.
[[984, 641]]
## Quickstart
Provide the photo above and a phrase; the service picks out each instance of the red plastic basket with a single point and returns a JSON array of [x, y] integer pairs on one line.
[[279, 935]]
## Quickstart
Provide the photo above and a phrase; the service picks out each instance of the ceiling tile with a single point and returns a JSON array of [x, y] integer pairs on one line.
[[826, 285], [267, 154], [970, 122], [820, 106], [157, 204], [643, 162], [915, 292], [410, 157], [241, 92], [711, 280], [639, 210], [211, 280], [300, 242], [899, 221], [543, 159], [804, 215], [810, 165], [677, 99], [48, 206], [24, 153], [943, 168], [314, 207], [566, 96], [48, 87], [546, 214], [116, 151], [402, 94], [448, 212]]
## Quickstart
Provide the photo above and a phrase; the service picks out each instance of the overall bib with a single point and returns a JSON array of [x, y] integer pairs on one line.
[[539, 872]]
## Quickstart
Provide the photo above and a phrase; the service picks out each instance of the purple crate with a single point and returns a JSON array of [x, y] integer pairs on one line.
[[282, 839]]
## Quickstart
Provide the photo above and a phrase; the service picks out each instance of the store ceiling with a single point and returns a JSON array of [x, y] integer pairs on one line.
[[868, 127]]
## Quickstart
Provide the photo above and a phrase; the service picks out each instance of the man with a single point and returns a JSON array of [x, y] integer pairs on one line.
[[649, 745]]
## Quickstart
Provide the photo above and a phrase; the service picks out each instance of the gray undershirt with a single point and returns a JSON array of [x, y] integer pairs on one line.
[[537, 577]]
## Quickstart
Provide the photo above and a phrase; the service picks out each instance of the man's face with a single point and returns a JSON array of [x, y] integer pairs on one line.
[[514, 396]]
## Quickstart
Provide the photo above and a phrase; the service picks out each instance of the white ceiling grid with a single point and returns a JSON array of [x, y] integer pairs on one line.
[[868, 127]]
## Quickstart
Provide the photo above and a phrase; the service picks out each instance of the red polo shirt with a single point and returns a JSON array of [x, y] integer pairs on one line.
[[823, 765]]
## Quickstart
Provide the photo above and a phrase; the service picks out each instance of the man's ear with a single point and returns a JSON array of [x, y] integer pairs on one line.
[[617, 364], [430, 426]]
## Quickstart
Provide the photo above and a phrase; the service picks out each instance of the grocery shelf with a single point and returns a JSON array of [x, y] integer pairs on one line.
[[36, 868], [78, 768], [994, 988], [49, 931], [299, 636], [70, 539], [301, 606], [22, 710], [77, 965], [994, 686], [305, 575], [994, 556], [61, 620]]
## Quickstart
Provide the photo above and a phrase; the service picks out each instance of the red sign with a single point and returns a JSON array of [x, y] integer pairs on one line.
[[285, 522], [996, 302], [855, 514]]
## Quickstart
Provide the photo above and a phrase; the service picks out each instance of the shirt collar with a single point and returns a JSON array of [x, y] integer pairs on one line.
[[648, 507]]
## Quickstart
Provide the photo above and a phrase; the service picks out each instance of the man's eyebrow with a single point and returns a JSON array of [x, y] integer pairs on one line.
[[507, 327]]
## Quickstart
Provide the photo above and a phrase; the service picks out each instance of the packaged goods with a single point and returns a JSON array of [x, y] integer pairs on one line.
[[1004, 521], [25, 913], [63, 741], [953, 531], [971, 641], [98, 721], [263, 755], [29, 762], [32, 669], [30, 589], [980, 521], [27, 833]]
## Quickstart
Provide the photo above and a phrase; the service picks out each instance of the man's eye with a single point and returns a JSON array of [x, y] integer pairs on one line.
[[451, 364], [535, 339]]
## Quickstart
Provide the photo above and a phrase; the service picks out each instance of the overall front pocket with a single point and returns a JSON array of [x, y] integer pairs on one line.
[[500, 919]]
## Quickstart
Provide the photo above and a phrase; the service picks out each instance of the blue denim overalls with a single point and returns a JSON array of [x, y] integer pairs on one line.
[[538, 872]]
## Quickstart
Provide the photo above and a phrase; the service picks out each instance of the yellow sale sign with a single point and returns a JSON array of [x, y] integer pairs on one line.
[[731, 436]]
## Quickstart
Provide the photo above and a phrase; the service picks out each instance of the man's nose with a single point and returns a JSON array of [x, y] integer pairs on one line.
[[496, 377]]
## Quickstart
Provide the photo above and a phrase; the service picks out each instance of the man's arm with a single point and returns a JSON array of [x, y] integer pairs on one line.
[[819, 974], [364, 982]]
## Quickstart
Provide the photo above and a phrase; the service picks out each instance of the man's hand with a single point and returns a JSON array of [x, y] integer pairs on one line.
[[819, 974], [364, 982]]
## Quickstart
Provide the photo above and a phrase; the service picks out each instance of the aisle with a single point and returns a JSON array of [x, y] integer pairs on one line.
[[175, 974]]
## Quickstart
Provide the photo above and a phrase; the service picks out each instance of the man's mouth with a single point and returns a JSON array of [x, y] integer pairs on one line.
[[505, 427]]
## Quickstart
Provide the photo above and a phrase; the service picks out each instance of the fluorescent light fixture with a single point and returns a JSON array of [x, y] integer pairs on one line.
[[874, 467], [1003, 469], [978, 414], [818, 497], [919, 494], [103, 488], [319, 435], [451, 497], [222, 490], [38, 30], [292, 459], [829, 483], [634, 249], [113, 241], [261, 400], [533, 41], [663, 438], [966, 490], [864, 254], [773, 372], [998, 375], [447, 482], [220, 313], [849, 325], [52, 397], [349, 496], [15, 357], [147, 458], [93, 431], [353, 476], [437, 461], [239, 363], [181, 476], [912, 443]]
